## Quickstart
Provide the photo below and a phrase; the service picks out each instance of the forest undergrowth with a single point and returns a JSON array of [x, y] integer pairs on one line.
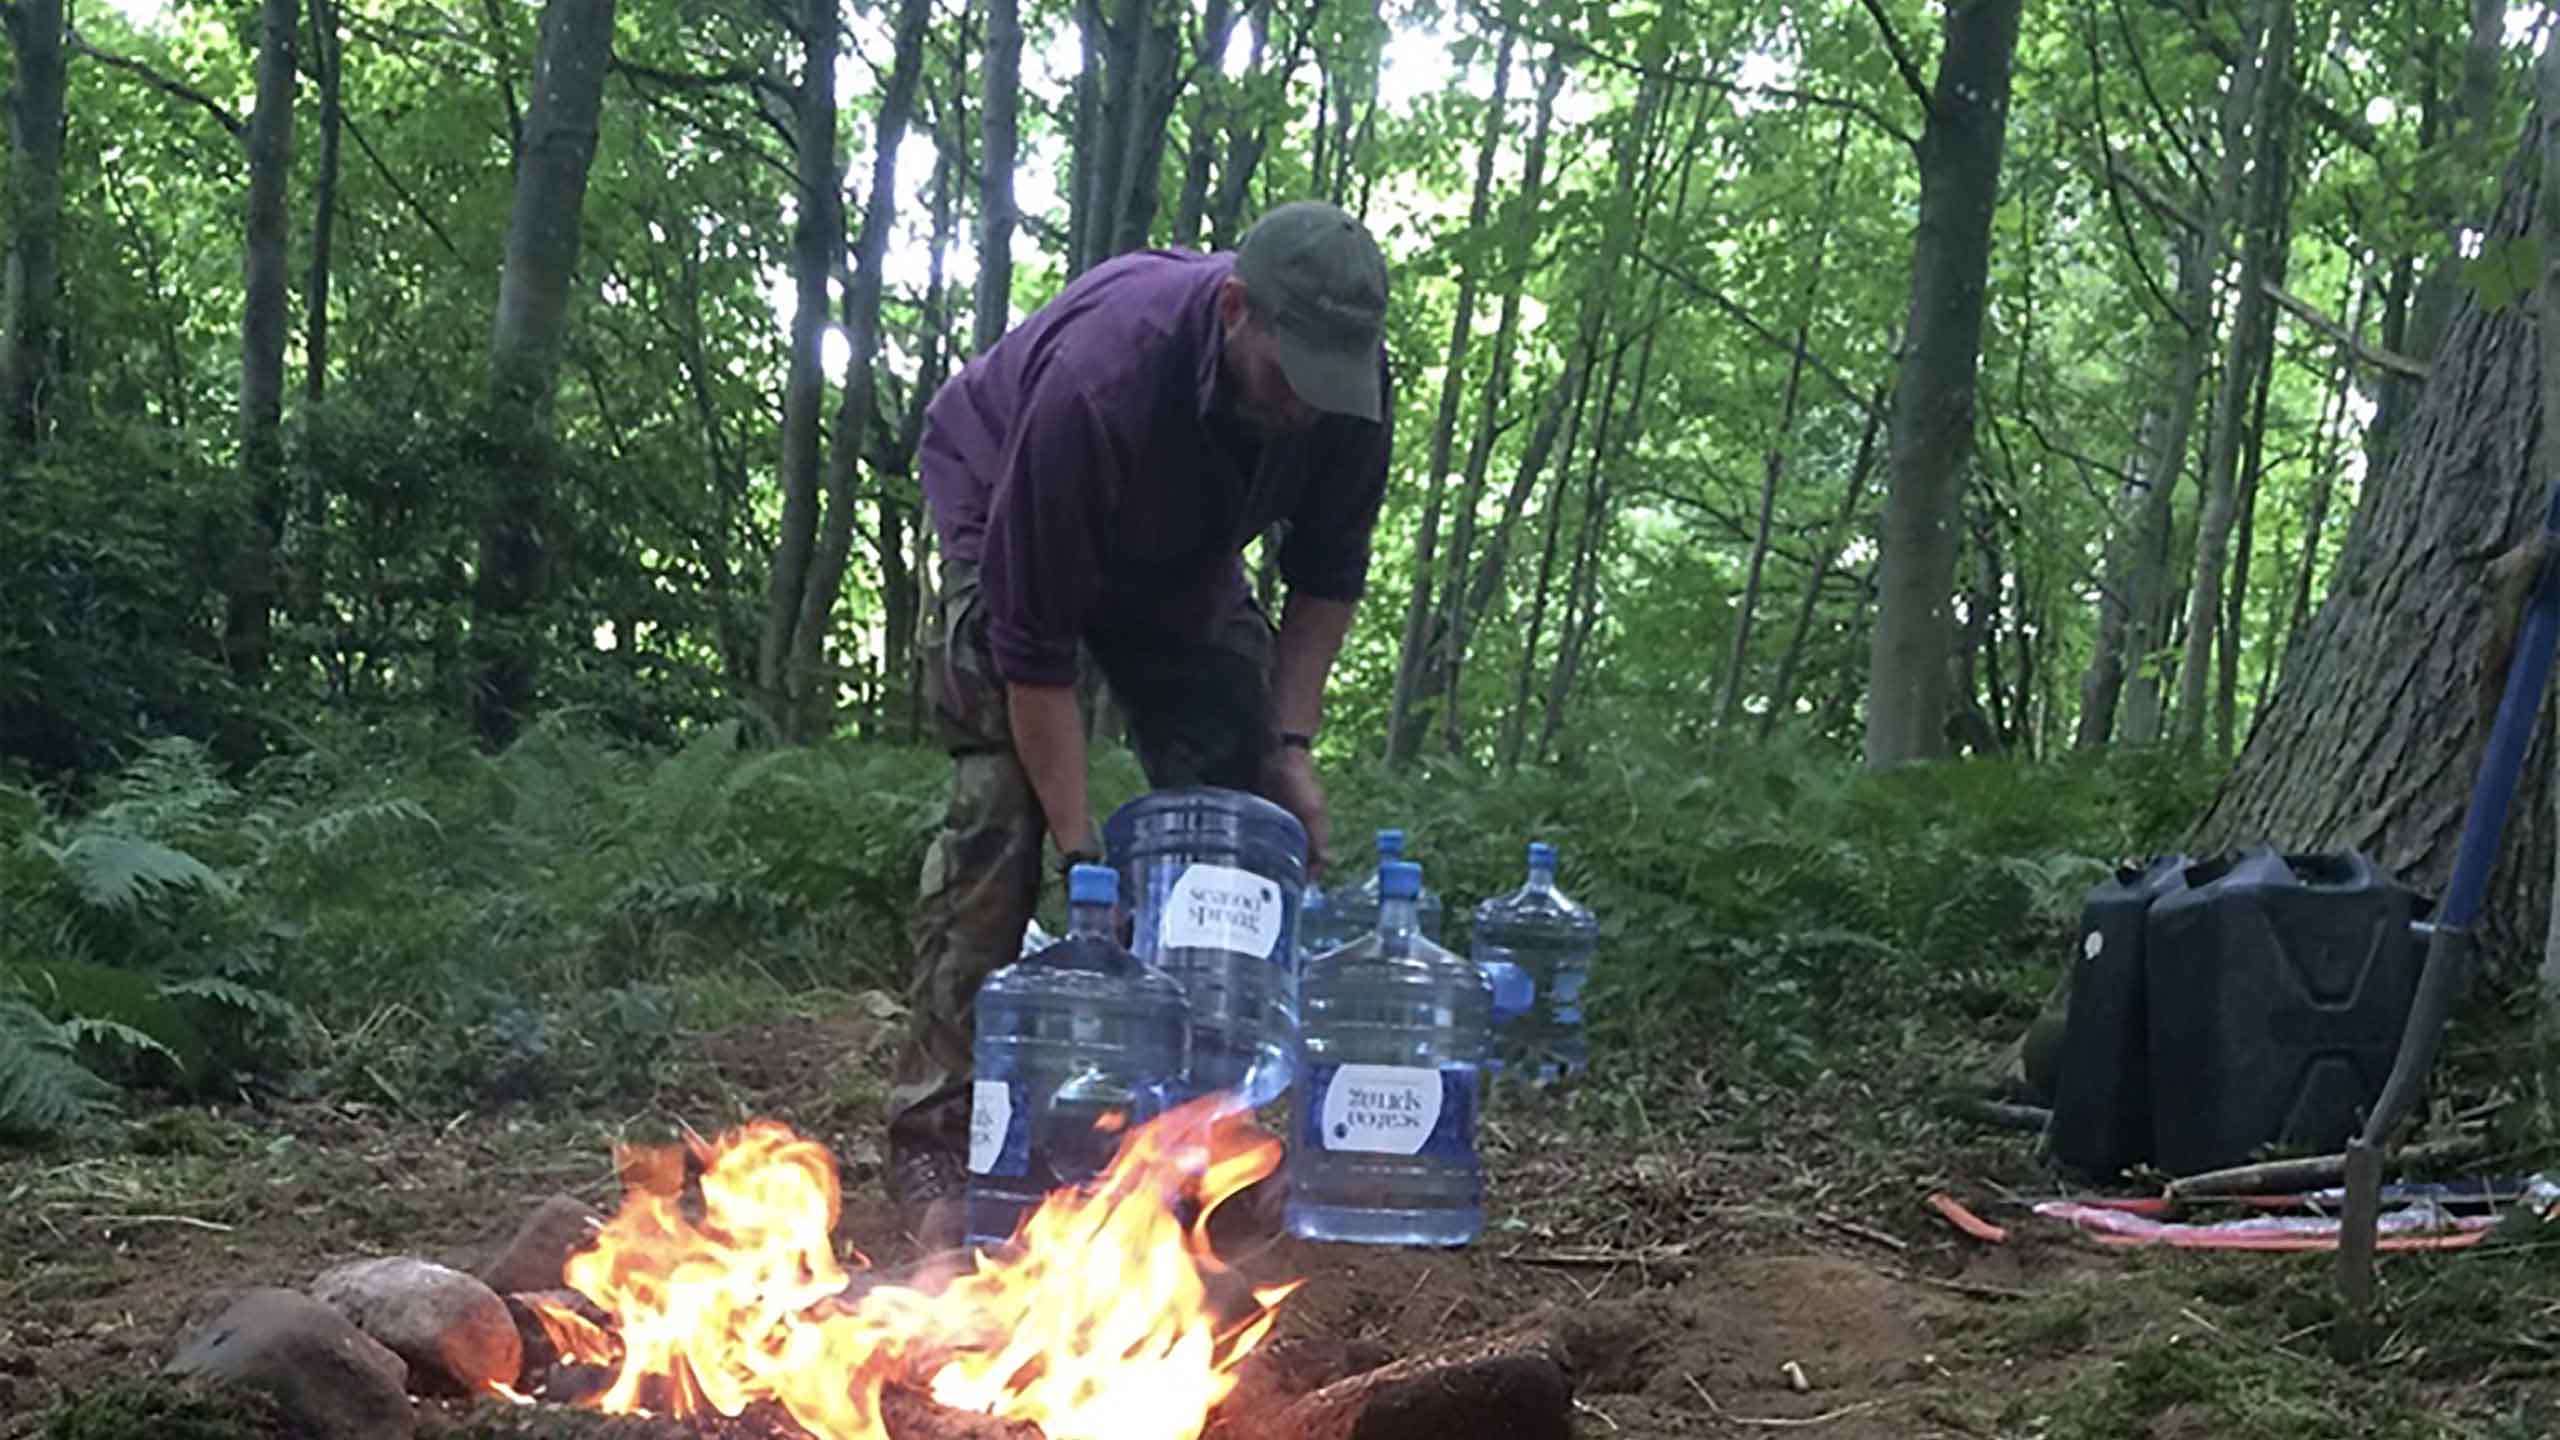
[[561, 943]]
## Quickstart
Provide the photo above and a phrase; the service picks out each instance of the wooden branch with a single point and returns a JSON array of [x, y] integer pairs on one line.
[[2301, 309], [1902, 59], [1749, 322], [2347, 127], [421, 211], [1568, 45], [162, 83], [2373, 355]]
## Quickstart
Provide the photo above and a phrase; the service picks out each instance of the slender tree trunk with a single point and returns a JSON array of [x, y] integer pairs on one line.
[[1467, 596], [900, 503], [1515, 724], [2324, 472], [2373, 736], [1404, 727], [524, 354], [1089, 139], [268, 293], [1158, 88], [814, 227], [1213, 99], [2266, 83], [1782, 691], [812, 684], [1773, 459], [1932, 423], [1249, 131], [999, 125], [2102, 684], [2236, 613], [29, 351], [326, 52]]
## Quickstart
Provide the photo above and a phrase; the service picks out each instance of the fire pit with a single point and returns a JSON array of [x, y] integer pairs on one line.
[[716, 1291]]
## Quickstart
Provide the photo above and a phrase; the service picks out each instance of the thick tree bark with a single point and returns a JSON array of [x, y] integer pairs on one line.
[[524, 354], [815, 227], [2372, 737], [811, 682], [1404, 727], [1932, 424], [29, 351], [2263, 83], [999, 129], [268, 294]]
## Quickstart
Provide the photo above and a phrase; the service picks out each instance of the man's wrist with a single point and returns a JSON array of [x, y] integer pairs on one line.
[[1296, 740]]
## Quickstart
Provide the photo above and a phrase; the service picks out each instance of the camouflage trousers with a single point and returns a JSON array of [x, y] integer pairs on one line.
[[1198, 713]]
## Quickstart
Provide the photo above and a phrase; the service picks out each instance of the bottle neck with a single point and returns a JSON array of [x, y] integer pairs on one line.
[[1542, 877], [1089, 921], [1398, 921]]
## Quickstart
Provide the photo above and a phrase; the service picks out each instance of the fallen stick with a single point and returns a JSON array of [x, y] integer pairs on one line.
[[1516, 1384], [2306, 1171]]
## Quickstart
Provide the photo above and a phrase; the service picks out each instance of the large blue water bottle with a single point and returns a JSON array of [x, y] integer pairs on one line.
[[1550, 939], [1355, 907], [1396, 1035], [1076, 1044]]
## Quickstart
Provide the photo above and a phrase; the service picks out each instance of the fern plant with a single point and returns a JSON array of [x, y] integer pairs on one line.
[[44, 1089]]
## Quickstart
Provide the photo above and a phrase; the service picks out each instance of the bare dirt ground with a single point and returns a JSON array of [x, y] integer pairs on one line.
[[1710, 1265]]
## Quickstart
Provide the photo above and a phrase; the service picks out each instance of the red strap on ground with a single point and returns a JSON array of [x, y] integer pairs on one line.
[[1965, 1220]]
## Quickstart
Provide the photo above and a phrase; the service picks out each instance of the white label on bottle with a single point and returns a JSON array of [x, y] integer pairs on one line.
[[1219, 907], [1381, 1109], [990, 1115]]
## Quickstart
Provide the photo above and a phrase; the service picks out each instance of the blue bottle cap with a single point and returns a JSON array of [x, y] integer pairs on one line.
[[1390, 844], [1399, 880], [1093, 885], [1542, 855]]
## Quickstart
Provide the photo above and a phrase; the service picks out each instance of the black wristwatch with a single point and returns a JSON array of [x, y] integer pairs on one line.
[[1069, 860], [1298, 738]]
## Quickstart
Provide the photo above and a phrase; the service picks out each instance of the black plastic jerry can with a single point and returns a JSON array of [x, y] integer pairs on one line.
[[2102, 1090], [2276, 989]]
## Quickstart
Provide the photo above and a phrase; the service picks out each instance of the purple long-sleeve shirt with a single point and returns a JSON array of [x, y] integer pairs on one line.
[[1082, 466]]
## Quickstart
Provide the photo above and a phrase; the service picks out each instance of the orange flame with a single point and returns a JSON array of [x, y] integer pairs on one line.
[[1102, 1317]]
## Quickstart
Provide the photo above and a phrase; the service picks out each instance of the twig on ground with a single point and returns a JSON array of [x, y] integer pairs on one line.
[[1587, 1408], [191, 1221], [1865, 1232]]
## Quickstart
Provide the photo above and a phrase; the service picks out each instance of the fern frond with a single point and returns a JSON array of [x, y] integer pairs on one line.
[[93, 1029], [117, 871], [245, 998], [320, 835], [44, 1089]]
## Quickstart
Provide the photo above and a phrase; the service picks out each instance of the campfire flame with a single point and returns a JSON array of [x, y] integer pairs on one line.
[[1106, 1316]]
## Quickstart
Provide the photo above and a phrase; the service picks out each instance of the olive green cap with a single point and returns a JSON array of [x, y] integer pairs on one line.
[[1320, 279]]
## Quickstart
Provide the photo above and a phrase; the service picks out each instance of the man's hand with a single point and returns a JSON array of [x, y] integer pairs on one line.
[[1289, 776]]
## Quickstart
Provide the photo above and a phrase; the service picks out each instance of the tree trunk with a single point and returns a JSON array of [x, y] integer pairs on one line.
[[1782, 691], [1159, 86], [1404, 727], [2474, 111], [2263, 80], [268, 293], [1249, 131], [999, 128], [1213, 99], [326, 54], [30, 349], [1515, 724], [1932, 424], [811, 682], [2102, 684], [2372, 738], [1773, 459], [902, 513], [2253, 472], [524, 354], [1469, 594], [814, 229]]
